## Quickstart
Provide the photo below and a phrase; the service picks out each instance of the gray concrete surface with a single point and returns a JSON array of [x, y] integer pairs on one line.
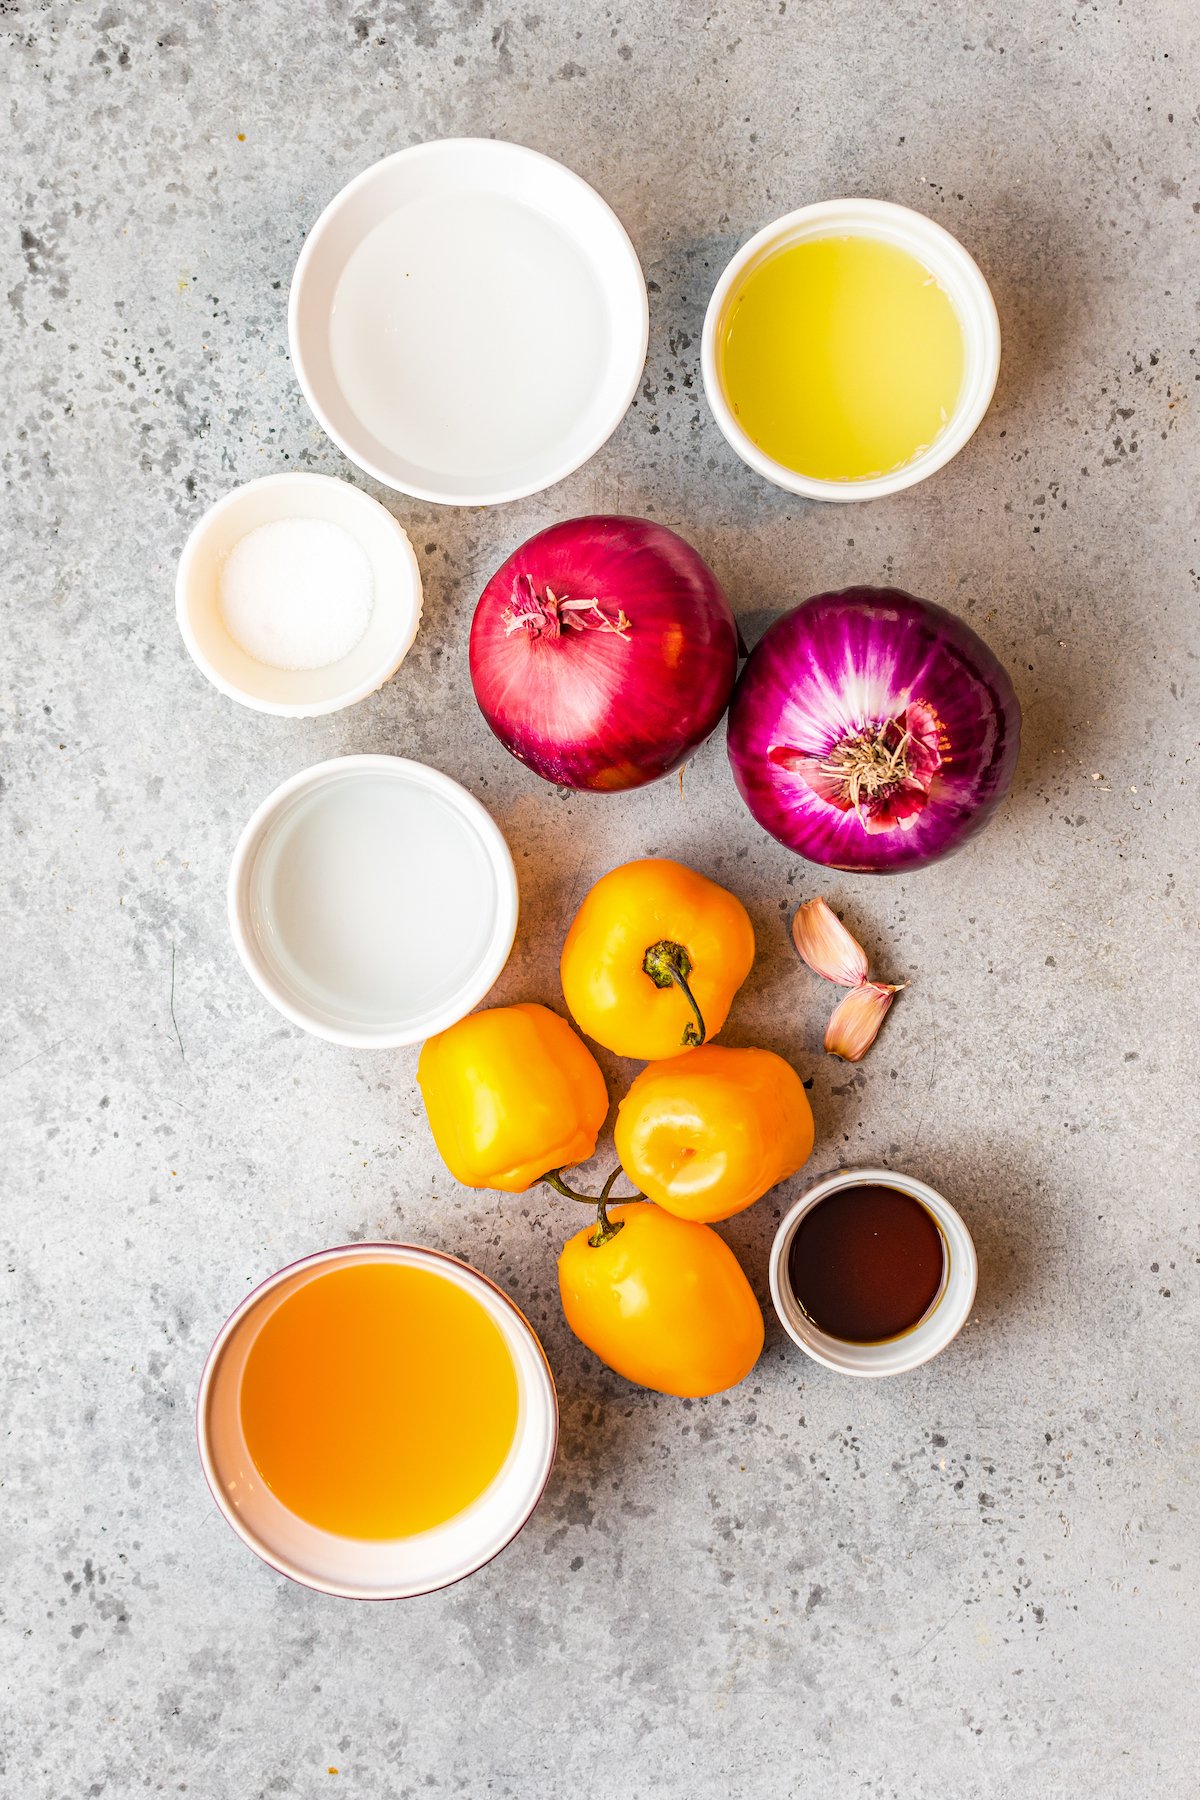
[[978, 1580]]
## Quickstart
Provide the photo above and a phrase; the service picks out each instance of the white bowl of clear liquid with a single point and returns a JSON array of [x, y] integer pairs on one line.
[[468, 321], [372, 900]]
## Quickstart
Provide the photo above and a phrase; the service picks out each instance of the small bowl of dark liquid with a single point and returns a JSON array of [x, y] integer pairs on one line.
[[872, 1273]]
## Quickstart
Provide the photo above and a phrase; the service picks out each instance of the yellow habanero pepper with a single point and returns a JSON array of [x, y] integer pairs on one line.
[[654, 957], [706, 1134], [511, 1094], [660, 1300]]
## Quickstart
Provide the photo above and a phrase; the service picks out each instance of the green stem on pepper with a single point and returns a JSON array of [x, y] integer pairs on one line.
[[606, 1228], [668, 964], [553, 1178]]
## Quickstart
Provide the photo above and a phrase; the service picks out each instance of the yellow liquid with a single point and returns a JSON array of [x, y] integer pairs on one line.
[[842, 358], [379, 1400]]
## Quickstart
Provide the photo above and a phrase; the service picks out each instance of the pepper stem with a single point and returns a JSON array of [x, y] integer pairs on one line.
[[668, 963], [606, 1228], [553, 1178]]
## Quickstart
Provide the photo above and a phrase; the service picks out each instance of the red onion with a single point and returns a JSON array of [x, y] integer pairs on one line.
[[603, 652], [872, 731]]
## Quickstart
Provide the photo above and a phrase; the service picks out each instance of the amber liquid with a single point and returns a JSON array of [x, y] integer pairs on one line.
[[867, 1263], [379, 1400]]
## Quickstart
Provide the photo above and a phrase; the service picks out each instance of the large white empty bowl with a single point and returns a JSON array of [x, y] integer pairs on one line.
[[372, 900], [468, 321], [354, 1568], [395, 595]]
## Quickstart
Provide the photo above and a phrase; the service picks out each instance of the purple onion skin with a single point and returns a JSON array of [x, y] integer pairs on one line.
[[843, 661], [590, 708]]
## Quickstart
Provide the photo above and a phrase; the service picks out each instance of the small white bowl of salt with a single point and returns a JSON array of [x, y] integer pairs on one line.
[[298, 594]]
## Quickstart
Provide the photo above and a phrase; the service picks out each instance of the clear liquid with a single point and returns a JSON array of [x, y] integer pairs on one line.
[[373, 898], [468, 333]]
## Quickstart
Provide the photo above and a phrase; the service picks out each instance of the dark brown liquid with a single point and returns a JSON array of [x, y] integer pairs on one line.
[[866, 1263]]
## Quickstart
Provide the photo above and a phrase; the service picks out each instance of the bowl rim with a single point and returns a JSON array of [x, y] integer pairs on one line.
[[939, 1326], [499, 854], [920, 230], [407, 566], [283, 1565], [500, 150]]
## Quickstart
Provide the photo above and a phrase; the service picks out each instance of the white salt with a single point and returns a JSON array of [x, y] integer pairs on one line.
[[296, 594]]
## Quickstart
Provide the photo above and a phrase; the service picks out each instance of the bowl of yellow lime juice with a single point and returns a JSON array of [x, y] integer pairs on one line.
[[850, 349]]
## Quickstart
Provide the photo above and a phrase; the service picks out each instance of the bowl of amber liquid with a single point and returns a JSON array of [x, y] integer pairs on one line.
[[873, 1272], [377, 1421]]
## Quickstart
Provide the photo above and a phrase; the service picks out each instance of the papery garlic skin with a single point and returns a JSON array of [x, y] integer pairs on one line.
[[855, 1023], [832, 952], [826, 946]]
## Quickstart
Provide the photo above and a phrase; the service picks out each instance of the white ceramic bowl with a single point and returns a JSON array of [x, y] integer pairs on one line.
[[352, 1568], [941, 1324], [946, 259], [372, 900], [395, 609], [431, 388]]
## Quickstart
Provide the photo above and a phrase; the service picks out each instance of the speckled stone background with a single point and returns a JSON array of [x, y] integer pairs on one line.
[[978, 1580]]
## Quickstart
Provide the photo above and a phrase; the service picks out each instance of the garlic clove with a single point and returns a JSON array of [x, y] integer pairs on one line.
[[856, 1019], [826, 946]]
